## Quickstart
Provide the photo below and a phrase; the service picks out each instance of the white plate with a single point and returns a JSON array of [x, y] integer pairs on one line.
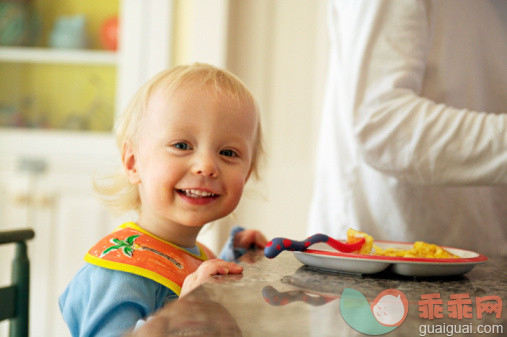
[[324, 257]]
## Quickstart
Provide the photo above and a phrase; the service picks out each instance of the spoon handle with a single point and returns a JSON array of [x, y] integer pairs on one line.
[[278, 245]]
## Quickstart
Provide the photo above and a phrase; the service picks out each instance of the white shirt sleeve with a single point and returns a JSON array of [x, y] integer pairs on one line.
[[398, 132]]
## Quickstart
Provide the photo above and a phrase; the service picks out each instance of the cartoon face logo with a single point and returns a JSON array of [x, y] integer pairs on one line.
[[386, 312], [390, 307]]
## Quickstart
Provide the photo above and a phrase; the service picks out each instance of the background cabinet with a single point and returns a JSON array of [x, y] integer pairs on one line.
[[57, 109], [84, 88]]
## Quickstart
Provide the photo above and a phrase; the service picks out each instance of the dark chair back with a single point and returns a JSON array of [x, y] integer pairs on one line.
[[15, 297]]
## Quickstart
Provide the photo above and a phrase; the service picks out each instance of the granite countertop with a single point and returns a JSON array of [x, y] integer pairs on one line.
[[282, 297]]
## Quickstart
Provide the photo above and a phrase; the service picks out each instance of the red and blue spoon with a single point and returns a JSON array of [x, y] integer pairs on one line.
[[278, 245]]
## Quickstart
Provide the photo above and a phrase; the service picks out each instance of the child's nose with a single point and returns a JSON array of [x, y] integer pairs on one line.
[[206, 166]]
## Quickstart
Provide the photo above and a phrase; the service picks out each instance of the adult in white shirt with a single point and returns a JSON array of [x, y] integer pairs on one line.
[[413, 142]]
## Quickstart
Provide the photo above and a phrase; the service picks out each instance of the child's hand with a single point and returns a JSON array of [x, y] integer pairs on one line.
[[250, 237], [205, 271]]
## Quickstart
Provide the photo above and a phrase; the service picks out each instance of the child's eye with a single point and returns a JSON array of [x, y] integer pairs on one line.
[[182, 146], [228, 153]]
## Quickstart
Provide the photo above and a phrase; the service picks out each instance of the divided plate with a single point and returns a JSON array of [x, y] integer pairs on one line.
[[322, 256]]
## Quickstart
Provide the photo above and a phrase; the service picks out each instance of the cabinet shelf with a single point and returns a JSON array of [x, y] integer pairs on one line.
[[57, 56]]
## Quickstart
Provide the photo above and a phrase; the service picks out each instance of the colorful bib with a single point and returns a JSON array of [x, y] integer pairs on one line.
[[133, 250]]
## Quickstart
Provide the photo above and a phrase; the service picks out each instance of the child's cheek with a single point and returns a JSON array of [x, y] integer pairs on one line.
[[237, 191]]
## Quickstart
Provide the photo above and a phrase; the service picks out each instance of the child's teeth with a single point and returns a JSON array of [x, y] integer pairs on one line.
[[198, 193]]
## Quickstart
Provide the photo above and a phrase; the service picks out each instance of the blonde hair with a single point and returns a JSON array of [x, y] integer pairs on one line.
[[116, 191]]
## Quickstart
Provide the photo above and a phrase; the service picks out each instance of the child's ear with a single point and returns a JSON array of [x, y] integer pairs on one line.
[[128, 159]]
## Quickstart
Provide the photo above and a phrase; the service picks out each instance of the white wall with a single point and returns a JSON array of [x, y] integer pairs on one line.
[[279, 49]]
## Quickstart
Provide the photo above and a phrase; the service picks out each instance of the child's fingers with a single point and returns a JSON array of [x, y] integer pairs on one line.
[[206, 270], [221, 267], [250, 237], [260, 240], [217, 267]]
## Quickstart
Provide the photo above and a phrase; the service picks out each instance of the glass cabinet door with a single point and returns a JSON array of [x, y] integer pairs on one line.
[[58, 64]]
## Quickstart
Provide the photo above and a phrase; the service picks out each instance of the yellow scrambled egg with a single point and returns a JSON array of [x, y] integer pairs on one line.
[[419, 249], [353, 236]]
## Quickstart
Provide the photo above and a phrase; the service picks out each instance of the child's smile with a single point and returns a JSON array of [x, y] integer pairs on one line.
[[196, 196]]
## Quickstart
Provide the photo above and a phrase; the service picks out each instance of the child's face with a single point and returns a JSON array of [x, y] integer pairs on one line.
[[192, 158]]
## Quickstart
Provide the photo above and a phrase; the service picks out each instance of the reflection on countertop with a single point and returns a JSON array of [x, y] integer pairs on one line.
[[282, 297]]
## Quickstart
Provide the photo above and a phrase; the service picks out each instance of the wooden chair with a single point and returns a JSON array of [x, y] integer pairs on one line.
[[14, 303]]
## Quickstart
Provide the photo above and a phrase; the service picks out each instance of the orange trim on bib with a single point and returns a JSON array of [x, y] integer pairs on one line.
[[133, 250]]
